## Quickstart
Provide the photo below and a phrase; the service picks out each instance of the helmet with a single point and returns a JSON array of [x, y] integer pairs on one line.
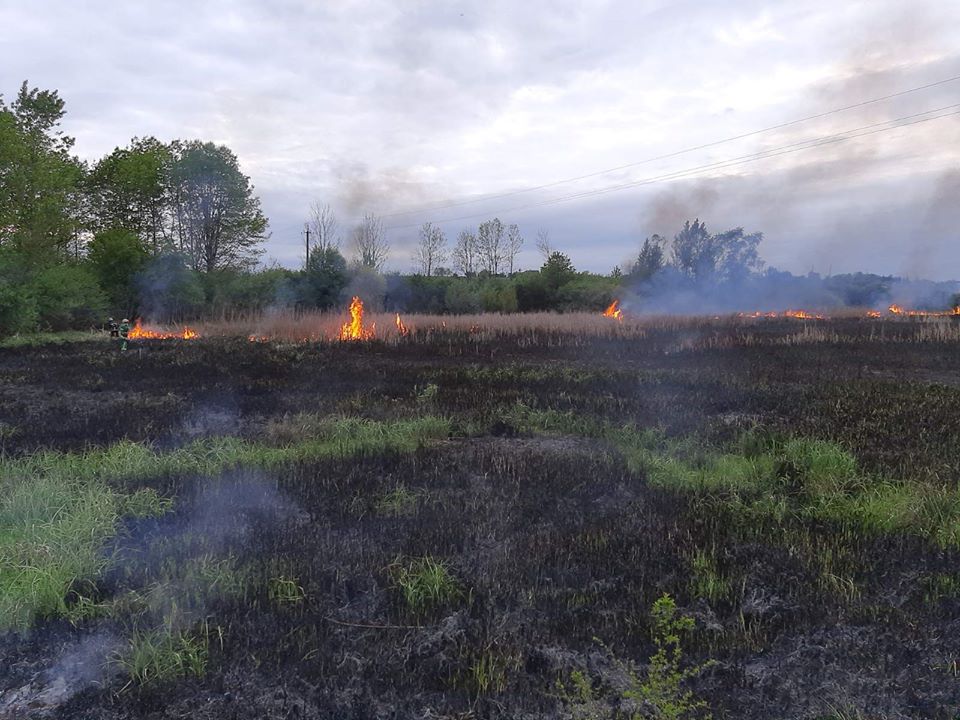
[[125, 320]]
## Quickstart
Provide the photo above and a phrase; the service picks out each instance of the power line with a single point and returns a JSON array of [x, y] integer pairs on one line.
[[905, 121], [496, 196]]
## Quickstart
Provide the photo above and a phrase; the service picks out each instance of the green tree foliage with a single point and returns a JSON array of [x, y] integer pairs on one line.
[[463, 297], [39, 178], [498, 295], [18, 304], [216, 215], [728, 256], [116, 257], [325, 278], [234, 292], [68, 297], [129, 189], [650, 261], [557, 271], [532, 293]]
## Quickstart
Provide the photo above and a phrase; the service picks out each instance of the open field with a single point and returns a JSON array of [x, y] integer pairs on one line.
[[492, 518]]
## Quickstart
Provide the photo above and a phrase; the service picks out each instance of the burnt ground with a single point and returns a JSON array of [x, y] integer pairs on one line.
[[559, 550]]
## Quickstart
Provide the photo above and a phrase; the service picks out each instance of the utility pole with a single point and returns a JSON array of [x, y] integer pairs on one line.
[[306, 232]]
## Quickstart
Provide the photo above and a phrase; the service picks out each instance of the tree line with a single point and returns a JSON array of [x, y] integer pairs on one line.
[[174, 230]]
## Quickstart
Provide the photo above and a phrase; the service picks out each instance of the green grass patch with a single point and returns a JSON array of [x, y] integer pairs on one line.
[[157, 656], [767, 479], [57, 509], [425, 585]]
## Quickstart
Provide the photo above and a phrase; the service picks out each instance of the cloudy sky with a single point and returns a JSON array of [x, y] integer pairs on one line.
[[455, 112]]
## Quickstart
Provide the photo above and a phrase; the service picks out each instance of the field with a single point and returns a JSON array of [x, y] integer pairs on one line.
[[561, 516]]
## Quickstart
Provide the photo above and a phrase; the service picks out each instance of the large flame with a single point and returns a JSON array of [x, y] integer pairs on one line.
[[401, 328], [354, 329], [614, 311], [139, 332]]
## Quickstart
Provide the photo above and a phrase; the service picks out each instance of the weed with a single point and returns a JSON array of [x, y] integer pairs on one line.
[[399, 501], [706, 580], [940, 586], [658, 688], [157, 656], [427, 394], [425, 584], [285, 591], [488, 671]]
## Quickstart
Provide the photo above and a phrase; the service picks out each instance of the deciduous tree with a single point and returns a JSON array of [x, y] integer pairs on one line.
[[465, 253], [490, 245], [431, 249], [370, 246], [218, 219]]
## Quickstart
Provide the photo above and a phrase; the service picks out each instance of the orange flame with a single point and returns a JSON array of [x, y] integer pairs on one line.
[[138, 332], [899, 310], [354, 329], [401, 328], [803, 315], [614, 311]]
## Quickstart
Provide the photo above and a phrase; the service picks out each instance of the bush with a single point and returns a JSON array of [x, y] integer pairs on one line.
[[115, 257], [463, 297], [68, 297]]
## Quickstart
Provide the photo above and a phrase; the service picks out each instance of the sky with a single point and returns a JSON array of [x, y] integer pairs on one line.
[[456, 112]]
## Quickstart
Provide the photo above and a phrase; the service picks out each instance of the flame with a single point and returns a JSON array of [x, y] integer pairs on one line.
[[401, 328], [138, 332], [614, 311], [354, 329], [803, 315], [899, 310]]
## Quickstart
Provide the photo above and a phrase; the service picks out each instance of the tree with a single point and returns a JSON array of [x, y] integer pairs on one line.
[[325, 227], [129, 190], [650, 260], [325, 278], [39, 179], [371, 249], [465, 253], [726, 257], [557, 271], [544, 246], [490, 245], [737, 253], [116, 257], [218, 219], [68, 297], [694, 252], [431, 250], [514, 243]]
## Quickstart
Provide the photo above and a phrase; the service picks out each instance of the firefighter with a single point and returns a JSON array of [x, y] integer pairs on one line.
[[124, 332], [113, 327]]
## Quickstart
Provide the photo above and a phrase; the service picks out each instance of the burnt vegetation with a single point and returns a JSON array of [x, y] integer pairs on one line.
[[743, 518]]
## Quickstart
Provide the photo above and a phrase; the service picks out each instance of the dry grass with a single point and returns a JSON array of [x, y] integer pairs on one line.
[[706, 331]]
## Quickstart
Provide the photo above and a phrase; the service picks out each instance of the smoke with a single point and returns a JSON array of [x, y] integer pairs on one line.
[[884, 201], [83, 663], [167, 289], [361, 190]]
